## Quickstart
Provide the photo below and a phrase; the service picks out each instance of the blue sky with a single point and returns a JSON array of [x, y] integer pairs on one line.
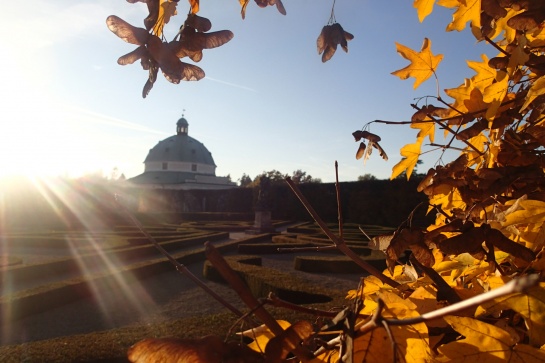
[[267, 102]]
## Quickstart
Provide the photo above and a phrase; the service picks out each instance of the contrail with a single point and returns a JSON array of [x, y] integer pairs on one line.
[[112, 121], [231, 84]]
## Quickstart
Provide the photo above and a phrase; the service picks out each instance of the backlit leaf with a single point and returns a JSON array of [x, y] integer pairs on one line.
[[243, 4], [532, 211], [423, 63], [412, 343], [485, 76], [194, 6], [167, 9], [262, 335], [411, 153], [204, 350], [485, 343], [531, 305], [466, 10], [423, 8], [426, 129], [537, 89]]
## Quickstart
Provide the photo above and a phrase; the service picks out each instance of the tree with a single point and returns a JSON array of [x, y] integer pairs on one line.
[[366, 177], [300, 177], [489, 201], [245, 180]]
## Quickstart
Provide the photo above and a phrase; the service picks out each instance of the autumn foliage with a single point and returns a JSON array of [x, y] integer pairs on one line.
[[453, 300]]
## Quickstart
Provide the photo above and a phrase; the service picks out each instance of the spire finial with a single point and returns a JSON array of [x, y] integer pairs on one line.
[[183, 112]]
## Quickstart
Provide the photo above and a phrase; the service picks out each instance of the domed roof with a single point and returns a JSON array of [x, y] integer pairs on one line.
[[182, 122], [180, 147]]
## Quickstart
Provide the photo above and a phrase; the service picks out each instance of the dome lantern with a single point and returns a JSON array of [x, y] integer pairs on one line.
[[182, 126]]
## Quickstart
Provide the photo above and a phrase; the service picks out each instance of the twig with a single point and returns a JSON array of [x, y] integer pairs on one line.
[[179, 267], [339, 243], [442, 286], [514, 286], [339, 205], [446, 127], [279, 303], [246, 296]]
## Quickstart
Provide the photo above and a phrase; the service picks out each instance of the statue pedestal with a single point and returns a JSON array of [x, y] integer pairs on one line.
[[262, 223]]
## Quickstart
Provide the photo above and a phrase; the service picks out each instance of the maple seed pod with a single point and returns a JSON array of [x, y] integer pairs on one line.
[[361, 151]]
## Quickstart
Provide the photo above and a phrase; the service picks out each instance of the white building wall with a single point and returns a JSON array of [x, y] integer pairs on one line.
[[180, 166]]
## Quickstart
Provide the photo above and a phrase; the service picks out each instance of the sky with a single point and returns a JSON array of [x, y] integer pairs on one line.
[[267, 101]]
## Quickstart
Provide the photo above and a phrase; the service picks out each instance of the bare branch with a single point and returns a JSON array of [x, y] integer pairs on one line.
[[179, 267], [339, 242]]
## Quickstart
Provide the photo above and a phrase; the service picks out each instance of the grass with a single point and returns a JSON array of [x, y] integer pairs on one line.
[[112, 345]]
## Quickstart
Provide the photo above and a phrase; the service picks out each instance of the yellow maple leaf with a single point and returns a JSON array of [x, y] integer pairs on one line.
[[475, 102], [533, 236], [460, 94], [412, 342], [261, 335], [426, 129], [411, 152], [466, 10], [167, 9], [480, 142], [485, 343], [423, 8], [485, 76], [501, 26], [537, 89], [447, 198], [532, 211], [194, 6], [519, 55], [423, 63], [530, 305], [495, 94]]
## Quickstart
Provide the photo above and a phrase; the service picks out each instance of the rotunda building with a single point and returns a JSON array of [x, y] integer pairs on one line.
[[181, 162]]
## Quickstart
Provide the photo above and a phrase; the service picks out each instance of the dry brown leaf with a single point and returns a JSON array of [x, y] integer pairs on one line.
[[205, 350], [500, 241], [431, 110], [527, 20], [280, 346]]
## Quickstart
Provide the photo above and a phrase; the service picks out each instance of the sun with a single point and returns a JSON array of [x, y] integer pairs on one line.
[[44, 140]]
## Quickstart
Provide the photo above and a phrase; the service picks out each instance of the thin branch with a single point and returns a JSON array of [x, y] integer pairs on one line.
[[279, 303], [446, 127], [442, 286], [498, 48], [179, 267], [339, 205], [236, 283], [518, 285], [339, 243]]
